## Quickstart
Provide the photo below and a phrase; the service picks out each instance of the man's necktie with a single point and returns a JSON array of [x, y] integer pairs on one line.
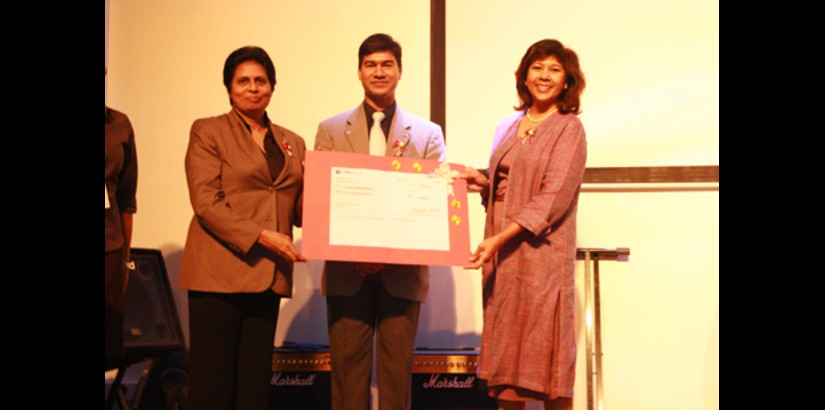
[[378, 142]]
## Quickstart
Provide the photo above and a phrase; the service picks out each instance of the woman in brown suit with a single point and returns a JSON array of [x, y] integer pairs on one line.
[[245, 178], [528, 349]]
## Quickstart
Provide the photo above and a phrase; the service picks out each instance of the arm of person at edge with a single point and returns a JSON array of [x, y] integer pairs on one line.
[[126, 190], [126, 221], [203, 173]]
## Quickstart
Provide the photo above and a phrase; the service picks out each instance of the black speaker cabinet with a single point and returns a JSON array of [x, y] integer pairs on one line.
[[300, 380], [151, 326], [446, 380]]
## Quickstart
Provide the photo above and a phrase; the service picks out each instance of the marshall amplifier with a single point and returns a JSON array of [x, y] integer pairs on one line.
[[442, 380], [446, 380], [300, 379]]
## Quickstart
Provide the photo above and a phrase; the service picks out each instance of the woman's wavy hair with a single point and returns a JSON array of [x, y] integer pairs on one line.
[[568, 100]]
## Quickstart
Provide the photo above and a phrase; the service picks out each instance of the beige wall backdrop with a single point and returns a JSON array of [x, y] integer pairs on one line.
[[652, 97]]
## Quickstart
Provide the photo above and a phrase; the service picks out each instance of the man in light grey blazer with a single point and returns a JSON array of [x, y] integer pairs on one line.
[[368, 299]]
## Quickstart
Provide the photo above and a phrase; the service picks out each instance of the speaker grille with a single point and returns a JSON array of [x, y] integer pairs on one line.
[[151, 324]]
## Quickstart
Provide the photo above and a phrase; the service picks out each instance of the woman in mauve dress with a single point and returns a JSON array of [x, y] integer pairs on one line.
[[528, 256]]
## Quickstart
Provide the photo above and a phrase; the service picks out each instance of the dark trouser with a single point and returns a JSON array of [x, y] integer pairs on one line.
[[230, 354], [353, 320], [114, 281]]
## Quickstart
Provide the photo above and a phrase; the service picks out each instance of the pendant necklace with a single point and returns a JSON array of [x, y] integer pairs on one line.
[[531, 130]]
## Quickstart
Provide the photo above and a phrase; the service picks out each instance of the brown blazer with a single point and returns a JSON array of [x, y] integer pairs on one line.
[[234, 200], [347, 132]]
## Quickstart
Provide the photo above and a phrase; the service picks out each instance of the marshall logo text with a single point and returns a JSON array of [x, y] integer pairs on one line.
[[446, 383], [279, 379]]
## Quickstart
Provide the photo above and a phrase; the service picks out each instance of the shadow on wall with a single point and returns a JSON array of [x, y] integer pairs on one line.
[[305, 314], [438, 321]]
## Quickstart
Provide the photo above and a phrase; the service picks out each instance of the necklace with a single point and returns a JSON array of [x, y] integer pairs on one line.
[[531, 130], [542, 118]]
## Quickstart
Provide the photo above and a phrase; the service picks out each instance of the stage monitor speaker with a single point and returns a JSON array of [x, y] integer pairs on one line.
[[151, 326], [300, 380], [445, 379]]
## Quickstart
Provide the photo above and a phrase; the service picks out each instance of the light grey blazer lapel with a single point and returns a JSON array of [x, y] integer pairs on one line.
[[355, 131], [399, 131]]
